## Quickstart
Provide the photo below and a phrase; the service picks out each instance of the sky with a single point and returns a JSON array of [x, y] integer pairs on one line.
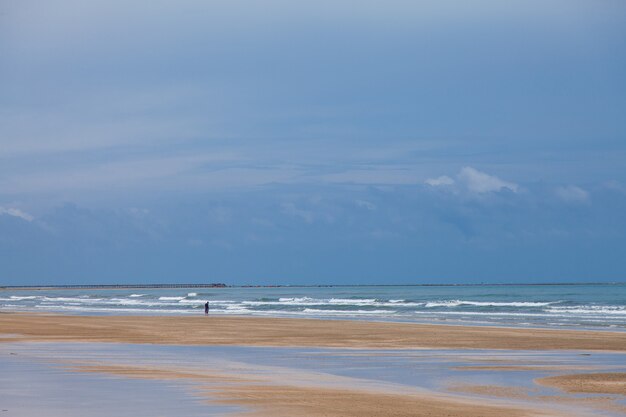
[[315, 142]]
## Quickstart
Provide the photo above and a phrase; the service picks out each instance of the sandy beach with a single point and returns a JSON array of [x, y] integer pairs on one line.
[[275, 399], [263, 393], [258, 331], [596, 383], [313, 208]]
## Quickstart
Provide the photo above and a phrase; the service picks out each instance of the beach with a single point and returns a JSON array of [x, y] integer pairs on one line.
[[313, 208], [262, 331], [265, 366]]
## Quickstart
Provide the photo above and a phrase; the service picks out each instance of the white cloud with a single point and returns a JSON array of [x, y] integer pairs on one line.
[[10, 211], [615, 186], [572, 194], [366, 205], [439, 181], [480, 182], [291, 210]]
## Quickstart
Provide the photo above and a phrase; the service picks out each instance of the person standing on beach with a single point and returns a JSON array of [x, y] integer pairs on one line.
[[206, 308]]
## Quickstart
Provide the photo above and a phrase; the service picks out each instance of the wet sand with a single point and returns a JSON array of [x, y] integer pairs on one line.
[[258, 331], [595, 383], [280, 398], [291, 401], [606, 405], [264, 398]]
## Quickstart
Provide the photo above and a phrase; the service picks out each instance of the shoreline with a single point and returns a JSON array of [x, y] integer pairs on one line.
[[303, 332], [550, 307]]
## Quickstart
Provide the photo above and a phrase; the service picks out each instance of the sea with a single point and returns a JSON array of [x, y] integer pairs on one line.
[[596, 306]]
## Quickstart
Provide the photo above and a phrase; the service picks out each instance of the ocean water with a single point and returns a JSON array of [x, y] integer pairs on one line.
[[586, 306]]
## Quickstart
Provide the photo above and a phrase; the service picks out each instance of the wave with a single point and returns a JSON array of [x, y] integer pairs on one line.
[[286, 302], [538, 308], [84, 309], [307, 301], [457, 303], [72, 300], [352, 301], [345, 312], [185, 301], [589, 310], [545, 315], [135, 302]]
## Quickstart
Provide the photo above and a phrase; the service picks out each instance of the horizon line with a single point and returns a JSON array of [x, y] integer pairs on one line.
[[222, 285]]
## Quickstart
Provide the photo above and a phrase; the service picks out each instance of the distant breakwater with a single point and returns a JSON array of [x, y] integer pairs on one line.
[[111, 286]]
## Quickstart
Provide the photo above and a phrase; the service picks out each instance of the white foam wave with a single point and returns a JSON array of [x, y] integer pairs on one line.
[[306, 301], [135, 302], [72, 300], [192, 294], [399, 304], [590, 310], [20, 298], [171, 298], [226, 312], [481, 313], [85, 309], [185, 301], [229, 310], [352, 301], [569, 317], [295, 300], [345, 312], [288, 302], [457, 303], [136, 295]]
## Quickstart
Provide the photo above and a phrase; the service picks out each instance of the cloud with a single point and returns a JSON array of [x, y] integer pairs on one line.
[[10, 211], [572, 194], [291, 210], [366, 205], [480, 182], [439, 181], [615, 186]]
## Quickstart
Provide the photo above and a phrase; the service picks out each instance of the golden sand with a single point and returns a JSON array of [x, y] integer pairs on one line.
[[596, 383], [599, 403], [257, 331], [281, 400]]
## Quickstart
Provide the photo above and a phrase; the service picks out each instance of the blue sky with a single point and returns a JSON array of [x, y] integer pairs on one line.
[[254, 142]]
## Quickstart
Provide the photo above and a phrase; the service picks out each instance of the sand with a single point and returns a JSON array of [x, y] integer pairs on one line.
[[288, 401], [257, 331], [604, 404], [593, 383], [282, 399]]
